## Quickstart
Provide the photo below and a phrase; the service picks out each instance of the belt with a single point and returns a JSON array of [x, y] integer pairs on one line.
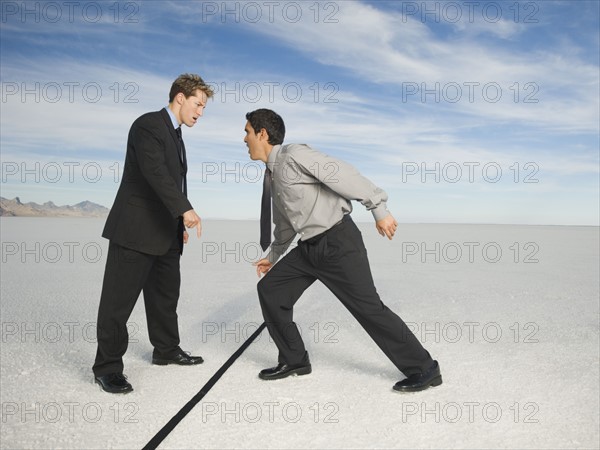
[[314, 239]]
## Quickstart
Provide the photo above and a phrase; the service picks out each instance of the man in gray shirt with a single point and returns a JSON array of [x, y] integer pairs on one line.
[[311, 194]]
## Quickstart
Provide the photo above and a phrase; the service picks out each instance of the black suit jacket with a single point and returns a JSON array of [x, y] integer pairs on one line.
[[146, 214]]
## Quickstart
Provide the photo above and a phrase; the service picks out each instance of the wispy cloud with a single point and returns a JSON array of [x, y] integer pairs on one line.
[[386, 47]]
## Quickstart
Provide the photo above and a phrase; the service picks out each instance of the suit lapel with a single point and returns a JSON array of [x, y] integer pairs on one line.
[[169, 124], [182, 159]]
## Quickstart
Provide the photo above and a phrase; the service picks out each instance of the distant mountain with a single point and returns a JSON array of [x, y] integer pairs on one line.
[[15, 208]]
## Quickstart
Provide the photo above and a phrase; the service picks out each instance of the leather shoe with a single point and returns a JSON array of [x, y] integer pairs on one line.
[[115, 383], [182, 358], [285, 370], [420, 381]]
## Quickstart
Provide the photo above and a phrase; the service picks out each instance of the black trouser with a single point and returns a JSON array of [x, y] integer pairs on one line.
[[128, 273], [338, 259]]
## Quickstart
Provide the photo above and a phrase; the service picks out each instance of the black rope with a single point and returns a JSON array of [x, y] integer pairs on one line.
[[164, 432]]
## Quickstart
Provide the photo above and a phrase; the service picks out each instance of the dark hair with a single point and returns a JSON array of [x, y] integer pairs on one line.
[[270, 121], [188, 84]]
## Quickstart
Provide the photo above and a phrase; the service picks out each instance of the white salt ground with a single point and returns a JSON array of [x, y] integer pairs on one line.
[[510, 313]]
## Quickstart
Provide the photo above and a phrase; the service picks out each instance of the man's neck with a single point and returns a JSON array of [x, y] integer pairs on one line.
[[174, 108]]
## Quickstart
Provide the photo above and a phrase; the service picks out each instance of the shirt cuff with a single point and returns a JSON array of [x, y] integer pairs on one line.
[[381, 212], [272, 257]]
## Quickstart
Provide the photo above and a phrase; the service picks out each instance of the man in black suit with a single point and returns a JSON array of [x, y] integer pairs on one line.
[[146, 229]]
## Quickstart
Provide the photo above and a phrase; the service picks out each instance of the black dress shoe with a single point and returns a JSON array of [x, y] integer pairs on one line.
[[285, 370], [420, 381], [182, 358], [115, 383]]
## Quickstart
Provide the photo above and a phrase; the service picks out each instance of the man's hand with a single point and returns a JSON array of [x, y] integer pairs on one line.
[[262, 266], [191, 220], [387, 226], [186, 236]]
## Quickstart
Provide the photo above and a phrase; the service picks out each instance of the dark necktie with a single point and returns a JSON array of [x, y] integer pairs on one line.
[[181, 149], [181, 144], [265, 212]]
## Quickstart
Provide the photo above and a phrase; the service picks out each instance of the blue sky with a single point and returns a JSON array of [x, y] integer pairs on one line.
[[464, 112]]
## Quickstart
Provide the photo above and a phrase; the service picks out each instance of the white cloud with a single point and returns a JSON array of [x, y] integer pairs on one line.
[[384, 47]]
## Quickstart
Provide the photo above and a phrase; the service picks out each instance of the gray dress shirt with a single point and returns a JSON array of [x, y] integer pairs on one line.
[[312, 192]]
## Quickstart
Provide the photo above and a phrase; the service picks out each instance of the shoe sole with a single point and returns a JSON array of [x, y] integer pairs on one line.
[[163, 362], [300, 371], [433, 383], [160, 363]]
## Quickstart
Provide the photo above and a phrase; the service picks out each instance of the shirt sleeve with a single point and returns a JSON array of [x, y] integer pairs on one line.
[[343, 179], [283, 235]]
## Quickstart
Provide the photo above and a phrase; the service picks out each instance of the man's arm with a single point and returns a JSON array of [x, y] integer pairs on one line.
[[283, 235], [343, 179], [150, 155]]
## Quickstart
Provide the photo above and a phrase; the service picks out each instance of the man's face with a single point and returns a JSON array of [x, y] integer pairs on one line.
[[192, 107], [254, 143]]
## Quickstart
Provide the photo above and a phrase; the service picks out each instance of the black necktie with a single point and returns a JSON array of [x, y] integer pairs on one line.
[[181, 144], [265, 212], [182, 159]]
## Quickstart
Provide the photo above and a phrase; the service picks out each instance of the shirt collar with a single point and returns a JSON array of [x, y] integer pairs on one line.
[[273, 157], [172, 116]]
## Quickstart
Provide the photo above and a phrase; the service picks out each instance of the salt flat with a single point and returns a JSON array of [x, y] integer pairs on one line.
[[510, 312]]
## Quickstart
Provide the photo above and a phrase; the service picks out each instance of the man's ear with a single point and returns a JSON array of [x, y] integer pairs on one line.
[[263, 135]]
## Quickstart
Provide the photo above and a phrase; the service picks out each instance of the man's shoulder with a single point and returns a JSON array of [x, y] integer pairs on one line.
[[149, 118], [296, 151], [289, 149], [302, 153]]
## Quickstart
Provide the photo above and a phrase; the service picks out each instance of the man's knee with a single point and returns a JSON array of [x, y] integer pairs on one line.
[[269, 300], [263, 288]]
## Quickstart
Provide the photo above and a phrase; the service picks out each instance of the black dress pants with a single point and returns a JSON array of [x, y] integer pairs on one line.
[[338, 259], [129, 272]]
